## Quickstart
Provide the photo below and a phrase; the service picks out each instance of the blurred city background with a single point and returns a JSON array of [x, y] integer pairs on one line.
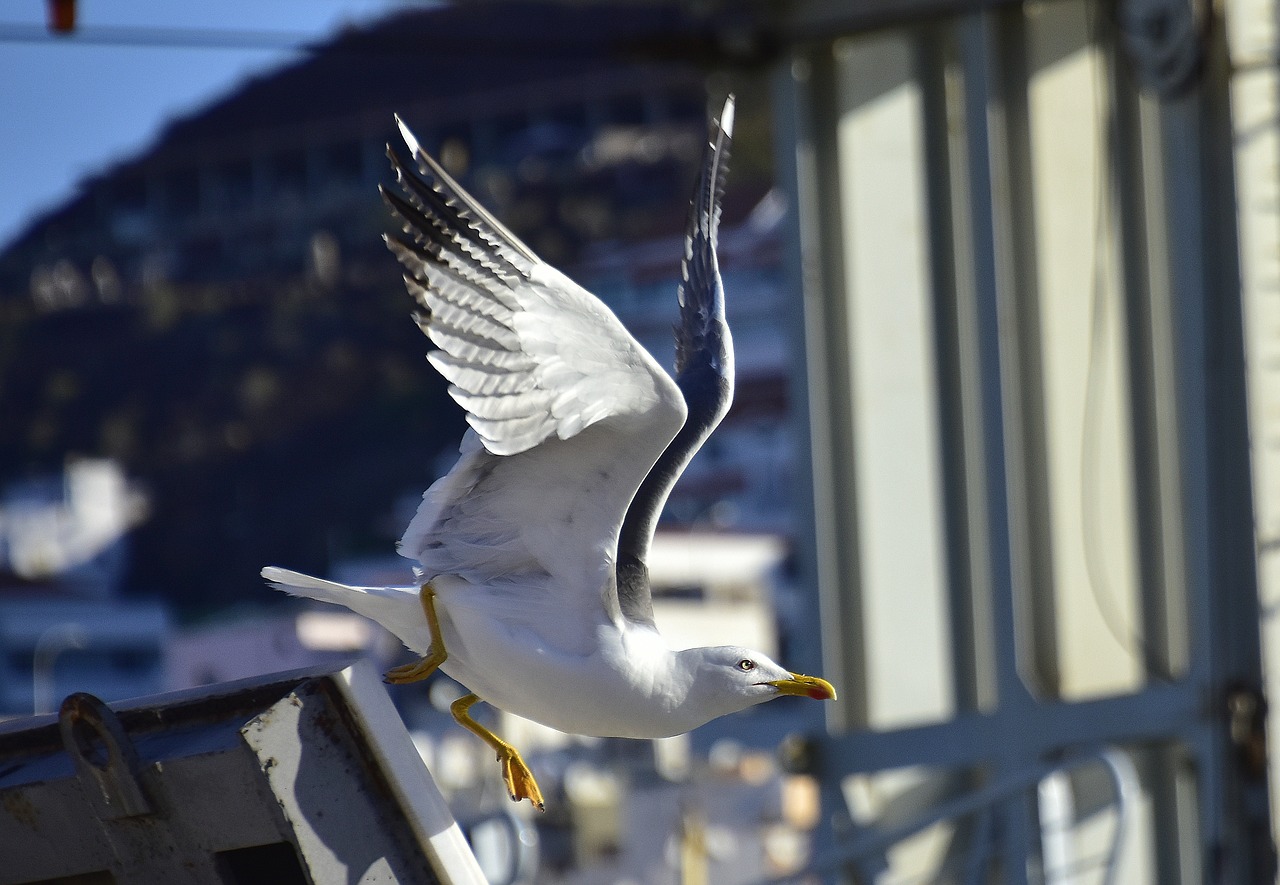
[[993, 466]]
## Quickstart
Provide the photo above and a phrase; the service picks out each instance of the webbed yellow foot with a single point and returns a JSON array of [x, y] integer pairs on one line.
[[515, 774], [417, 671], [518, 778], [437, 655]]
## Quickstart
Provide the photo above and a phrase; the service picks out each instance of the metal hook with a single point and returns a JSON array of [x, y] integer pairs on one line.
[[105, 758]]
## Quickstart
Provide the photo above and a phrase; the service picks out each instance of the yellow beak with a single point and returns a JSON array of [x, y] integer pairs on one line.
[[806, 687]]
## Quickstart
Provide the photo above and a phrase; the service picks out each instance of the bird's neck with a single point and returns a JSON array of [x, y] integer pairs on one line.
[[663, 678]]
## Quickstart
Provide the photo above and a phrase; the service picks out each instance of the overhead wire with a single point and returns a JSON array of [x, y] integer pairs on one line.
[[357, 38], [159, 38]]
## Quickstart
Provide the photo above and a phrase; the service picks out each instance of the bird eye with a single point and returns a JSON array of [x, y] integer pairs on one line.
[[746, 665]]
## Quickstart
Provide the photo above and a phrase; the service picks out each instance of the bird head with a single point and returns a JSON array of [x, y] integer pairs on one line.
[[727, 679]]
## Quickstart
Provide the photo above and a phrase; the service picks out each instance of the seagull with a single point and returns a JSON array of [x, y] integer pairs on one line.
[[530, 553]]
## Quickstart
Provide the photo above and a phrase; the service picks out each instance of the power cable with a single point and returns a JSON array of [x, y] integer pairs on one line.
[[160, 38]]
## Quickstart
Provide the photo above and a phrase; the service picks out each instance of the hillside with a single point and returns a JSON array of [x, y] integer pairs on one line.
[[219, 315]]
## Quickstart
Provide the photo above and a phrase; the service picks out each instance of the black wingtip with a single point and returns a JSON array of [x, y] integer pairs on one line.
[[699, 293]]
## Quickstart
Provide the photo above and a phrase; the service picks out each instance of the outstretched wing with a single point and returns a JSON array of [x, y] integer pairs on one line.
[[568, 411], [704, 369]]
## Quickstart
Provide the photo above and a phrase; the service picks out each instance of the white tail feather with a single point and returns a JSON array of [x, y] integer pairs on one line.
[[396, 608]]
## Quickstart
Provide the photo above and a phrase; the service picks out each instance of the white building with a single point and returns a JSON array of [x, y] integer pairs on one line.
[[63, 553], [71, 529]]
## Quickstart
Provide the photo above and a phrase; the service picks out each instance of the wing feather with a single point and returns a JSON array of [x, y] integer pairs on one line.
[[448, 315], [495, 309], [568, 413], [704, 367], [475, 381]]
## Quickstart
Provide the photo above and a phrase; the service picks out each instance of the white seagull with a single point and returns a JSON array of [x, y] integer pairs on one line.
[[530, 552]]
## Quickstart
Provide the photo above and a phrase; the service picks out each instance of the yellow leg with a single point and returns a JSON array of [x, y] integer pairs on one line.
[[515, 774], [435, 656]]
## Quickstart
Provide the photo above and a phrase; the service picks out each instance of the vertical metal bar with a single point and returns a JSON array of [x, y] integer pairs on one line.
[[1164, 649], [1231, 577], [973, 670], [830, 400], [1174, 203], [983, 334], [986, 331], [977, 384], [1159, 565], [804, 96], [1174, 185], [1033, 604], [788, 80], [1138, 171]]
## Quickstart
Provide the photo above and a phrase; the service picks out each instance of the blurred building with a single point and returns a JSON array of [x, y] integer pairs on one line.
[[70, 531], [63, 627], [53, 646], [241, 647]]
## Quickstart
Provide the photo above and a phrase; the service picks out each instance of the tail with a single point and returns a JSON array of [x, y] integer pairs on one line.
[[396, 608]]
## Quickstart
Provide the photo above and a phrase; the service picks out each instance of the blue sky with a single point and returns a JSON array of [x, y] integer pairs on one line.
[[73, 105]]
